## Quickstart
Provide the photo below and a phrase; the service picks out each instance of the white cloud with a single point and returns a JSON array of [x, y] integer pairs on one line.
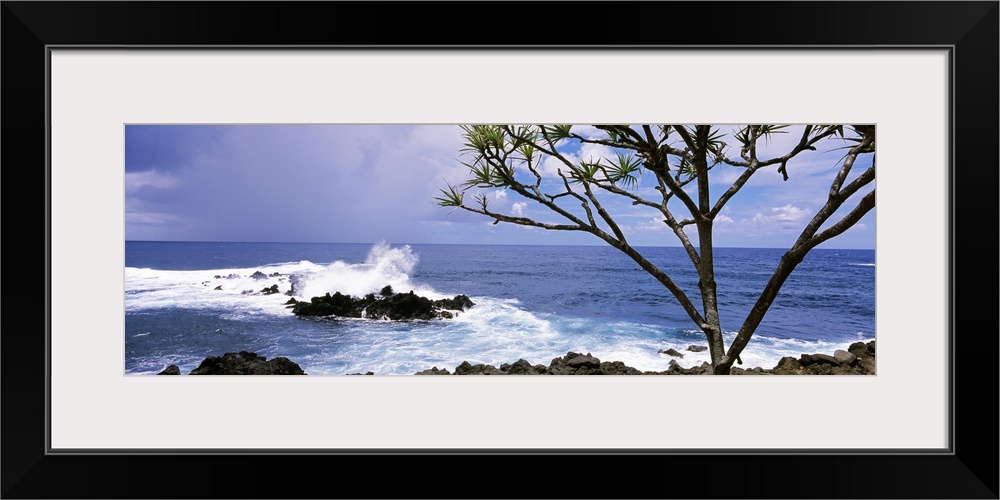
[[651, 225], [589, 131], [152, 178], [500, 194], [724, 175], [517, 209], [787, 213], [724, 219], [790, 213], [549, 166]]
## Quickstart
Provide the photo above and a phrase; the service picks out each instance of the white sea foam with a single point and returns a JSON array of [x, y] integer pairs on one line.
[[236, 290], [384, 265]]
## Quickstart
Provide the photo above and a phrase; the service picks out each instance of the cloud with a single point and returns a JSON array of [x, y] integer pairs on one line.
[[151, 178], [651, 225], [787, 213], [724, 175], [518, 209], [151, 218], [724, 219]]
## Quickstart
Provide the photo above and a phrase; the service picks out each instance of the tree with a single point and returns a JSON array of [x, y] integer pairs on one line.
[[681, 158]]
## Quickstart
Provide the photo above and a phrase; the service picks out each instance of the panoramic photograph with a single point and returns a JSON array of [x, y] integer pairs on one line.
[[493, 249]]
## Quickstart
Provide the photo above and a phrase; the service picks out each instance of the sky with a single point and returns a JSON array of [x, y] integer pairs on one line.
[[372, 183]]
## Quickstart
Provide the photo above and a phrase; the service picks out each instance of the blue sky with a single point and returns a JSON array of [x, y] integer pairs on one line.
[[370, 183]]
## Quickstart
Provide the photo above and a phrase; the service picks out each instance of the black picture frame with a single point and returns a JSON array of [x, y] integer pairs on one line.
[[968, 471]]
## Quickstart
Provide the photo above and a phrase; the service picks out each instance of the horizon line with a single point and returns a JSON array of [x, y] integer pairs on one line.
[[463, 244]]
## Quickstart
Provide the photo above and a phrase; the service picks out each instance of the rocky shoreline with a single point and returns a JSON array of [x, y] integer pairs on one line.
[[858, 359]]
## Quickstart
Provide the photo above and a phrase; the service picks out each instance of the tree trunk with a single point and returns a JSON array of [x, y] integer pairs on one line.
[[706, 270], [706, 283]]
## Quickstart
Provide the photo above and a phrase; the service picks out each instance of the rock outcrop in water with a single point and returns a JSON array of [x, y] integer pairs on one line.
[[859, 359], [246, 363], [386, 305]]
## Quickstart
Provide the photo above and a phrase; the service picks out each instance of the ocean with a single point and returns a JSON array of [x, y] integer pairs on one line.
[[185, 301]]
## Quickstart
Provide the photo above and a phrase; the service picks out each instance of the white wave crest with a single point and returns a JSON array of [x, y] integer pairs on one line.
[[384, 265], [241, 290]]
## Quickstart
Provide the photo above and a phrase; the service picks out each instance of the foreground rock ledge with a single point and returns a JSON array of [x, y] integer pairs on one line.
[[859, 359], [241, 363]]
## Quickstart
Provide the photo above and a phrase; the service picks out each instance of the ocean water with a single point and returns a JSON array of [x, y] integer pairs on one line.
[[532, 302]]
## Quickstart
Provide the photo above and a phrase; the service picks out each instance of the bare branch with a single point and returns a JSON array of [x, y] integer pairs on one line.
[[686, 136], [524, 221], [805, 143], [849, 220], [845, 169]]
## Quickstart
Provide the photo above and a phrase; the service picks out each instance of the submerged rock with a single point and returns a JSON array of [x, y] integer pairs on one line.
[[246, 363]]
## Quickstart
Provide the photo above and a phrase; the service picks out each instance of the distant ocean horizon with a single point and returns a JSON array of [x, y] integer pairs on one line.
[[569, 244], [188, 300]]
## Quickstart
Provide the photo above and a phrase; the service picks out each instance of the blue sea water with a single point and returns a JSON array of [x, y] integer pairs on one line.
[[185, 301]]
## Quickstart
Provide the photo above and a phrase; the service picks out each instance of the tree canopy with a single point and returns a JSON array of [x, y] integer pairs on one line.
[[536, 162]]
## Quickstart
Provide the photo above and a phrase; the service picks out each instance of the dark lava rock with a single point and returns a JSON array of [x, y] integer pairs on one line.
[[386, 291], [697, 348], [859, 349], [366, 373], [586, 364], [270, 290], [458, 303], [671, 352], [246, 363], [218, 287], [396, 307], [401, 306], [522, 367], [272, 275], [170, 370], [618, 368], [258, 276], [825, 358], [469, 369], [434, 371], [788, 365], [582, 361]]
